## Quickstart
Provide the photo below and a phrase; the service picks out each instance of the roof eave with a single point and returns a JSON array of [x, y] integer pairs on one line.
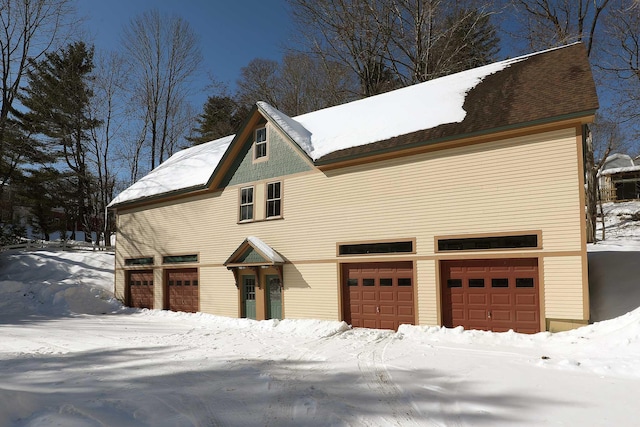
[[157, 197], [587, 117]]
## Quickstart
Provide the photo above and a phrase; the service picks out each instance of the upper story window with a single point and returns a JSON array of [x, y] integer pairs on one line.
[[246, 204], [260, 145], [274, 199]]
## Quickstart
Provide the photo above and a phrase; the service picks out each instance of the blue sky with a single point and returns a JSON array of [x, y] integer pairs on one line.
[[232, 32]]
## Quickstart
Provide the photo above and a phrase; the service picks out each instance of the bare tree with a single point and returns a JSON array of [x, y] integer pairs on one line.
[[552, 23], [107, 105], [259, 82], [350, 32], [434, 38], [164, 55], [300, 84], [623, 61], [607, 139], [28, 29]]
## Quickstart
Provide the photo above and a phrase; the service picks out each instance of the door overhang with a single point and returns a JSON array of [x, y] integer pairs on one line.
[[254, 255]]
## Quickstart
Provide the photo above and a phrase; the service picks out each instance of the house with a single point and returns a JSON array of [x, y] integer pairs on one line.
[[619, 178], [455, 202]]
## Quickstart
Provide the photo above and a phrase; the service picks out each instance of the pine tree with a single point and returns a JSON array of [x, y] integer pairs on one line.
[[57, 99], [222, 116]]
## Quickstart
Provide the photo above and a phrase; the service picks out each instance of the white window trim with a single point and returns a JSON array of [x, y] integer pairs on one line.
[[252, 204], [272, 200], [256, 143]]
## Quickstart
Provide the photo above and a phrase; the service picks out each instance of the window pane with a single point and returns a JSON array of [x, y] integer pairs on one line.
[[195, 283], [454, 283], [368, 282], [476, 283], [404, 281], [386, 282], [499, 283], [483, 243], [352, 282], [261, 135], [261, 150], [376, 248], [526, 282]]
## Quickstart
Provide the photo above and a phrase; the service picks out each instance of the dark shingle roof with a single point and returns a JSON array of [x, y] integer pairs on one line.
[[546, 87]]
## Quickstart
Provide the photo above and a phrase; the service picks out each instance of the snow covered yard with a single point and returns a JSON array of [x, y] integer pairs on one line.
[[71, 356]]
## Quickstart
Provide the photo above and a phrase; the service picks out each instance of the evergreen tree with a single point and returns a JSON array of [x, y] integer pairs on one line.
[[58, 98], [473, 41], [222, 116]]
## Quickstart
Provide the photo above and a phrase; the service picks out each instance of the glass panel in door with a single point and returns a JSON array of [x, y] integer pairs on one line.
[[274, 298], [249, 297]]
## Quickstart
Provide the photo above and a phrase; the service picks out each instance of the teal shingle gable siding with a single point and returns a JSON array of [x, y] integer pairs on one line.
[[282, 160], [250, 256]]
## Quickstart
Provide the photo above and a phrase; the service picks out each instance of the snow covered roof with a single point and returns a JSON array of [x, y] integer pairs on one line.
[[614, 171], [265, 249], [381, 117], [189, 168], [267, 252], [531, 88], [536, 88]]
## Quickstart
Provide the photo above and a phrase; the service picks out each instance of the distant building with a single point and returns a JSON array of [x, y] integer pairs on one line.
[[619, 178]]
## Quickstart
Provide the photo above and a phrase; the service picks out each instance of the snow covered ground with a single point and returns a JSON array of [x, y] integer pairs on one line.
[[72, 356]]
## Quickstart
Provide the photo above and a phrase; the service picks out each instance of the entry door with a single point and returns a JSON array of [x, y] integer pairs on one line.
[[274, 298], [249, 297]]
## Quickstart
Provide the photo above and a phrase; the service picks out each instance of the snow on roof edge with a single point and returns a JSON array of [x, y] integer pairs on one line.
[[266, 250], [186, 170]]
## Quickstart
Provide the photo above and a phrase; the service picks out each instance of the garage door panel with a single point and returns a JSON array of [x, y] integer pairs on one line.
[[387, 324], [507, 289], [388, 310], [498, 315], [386, 296], [477, 299], [477, 314], [457, 298], [369, 296], [501, 299], [370, 323], [405, 311], [526, 300], [369, 309], [405, 296], [526, 316]]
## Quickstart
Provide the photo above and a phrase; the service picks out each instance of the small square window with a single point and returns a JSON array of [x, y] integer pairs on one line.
[[260, 143]]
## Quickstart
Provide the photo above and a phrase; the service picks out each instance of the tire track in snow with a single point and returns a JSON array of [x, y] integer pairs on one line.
[[373, 368]]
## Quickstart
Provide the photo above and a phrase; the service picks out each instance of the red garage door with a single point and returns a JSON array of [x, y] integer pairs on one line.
[[495, 295], [140, 289], [378, 295], [182, 290]]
